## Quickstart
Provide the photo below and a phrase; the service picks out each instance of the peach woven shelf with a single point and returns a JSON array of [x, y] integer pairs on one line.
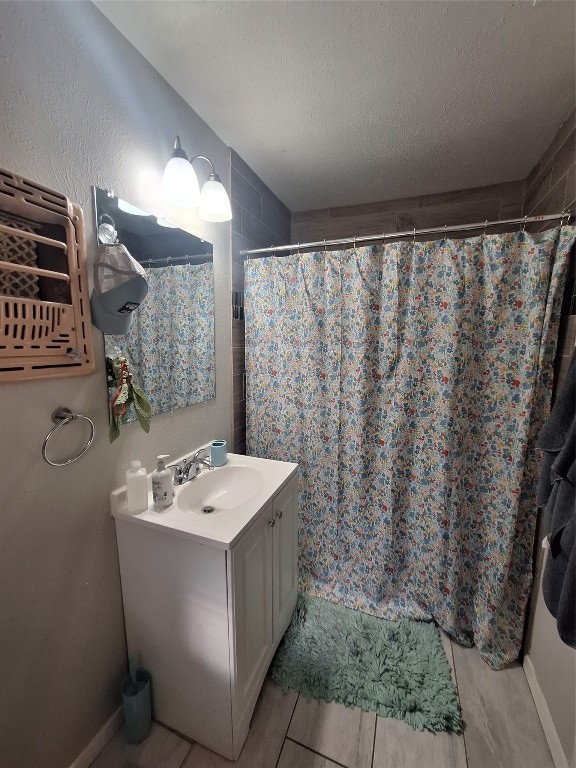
[[45, 326]]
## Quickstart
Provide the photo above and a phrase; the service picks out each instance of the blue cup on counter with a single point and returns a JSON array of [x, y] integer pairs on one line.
[[218, 453]]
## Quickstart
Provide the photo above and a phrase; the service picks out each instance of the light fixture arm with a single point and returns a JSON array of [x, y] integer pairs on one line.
[[213, 176], [179, 152]]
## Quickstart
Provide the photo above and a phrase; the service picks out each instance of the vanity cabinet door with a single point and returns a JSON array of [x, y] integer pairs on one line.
[[252, 595], [284, 558]]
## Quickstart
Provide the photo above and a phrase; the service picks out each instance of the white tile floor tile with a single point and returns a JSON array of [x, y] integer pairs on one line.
[[295, 756], [335, 731], [502, 726], [267, 732], [399, 746], [161, 749], [502, 731]]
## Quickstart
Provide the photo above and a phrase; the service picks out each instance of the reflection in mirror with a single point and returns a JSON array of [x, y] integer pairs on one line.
[[170, 342]]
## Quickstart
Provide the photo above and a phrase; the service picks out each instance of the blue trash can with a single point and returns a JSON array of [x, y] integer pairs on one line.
[[136, 703]]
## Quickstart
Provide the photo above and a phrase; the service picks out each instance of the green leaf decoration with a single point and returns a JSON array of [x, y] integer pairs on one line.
[[142, 408], [114, 431], [126, 393]]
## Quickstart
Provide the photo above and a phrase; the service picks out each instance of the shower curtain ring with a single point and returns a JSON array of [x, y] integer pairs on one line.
[[485, 228], [524, 224], [414, 236]]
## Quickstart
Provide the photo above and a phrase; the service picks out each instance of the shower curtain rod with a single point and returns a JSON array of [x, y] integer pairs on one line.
[[169, 261], [408, 233]]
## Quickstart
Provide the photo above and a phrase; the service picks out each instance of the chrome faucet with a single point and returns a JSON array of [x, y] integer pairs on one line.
[[191, 467]]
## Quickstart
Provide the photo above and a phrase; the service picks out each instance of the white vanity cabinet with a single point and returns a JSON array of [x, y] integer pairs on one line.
[[205, 617], [263, 585]]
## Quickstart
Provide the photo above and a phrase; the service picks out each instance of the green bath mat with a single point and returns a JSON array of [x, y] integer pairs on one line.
[[395, 668]]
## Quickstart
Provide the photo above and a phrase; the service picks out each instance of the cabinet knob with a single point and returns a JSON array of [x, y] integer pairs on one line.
[[279, 514], [272, 523]]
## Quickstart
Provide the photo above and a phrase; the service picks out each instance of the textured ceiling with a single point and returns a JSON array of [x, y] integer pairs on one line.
[[340, 103]]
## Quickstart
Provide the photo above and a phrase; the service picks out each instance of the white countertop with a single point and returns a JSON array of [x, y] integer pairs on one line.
[[222, 528]]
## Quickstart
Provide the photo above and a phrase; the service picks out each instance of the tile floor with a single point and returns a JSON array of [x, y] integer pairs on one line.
[[502, 731]]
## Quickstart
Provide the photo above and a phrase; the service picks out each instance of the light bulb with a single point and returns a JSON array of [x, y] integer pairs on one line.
[[179, 184], [214, 202]]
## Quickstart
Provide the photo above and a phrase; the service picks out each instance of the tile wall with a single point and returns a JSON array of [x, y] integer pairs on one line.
[[498, 201], [551, 187], [259, 220]]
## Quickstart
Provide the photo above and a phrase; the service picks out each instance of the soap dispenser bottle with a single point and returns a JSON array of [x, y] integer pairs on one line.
[[162, 485], [137, 488]]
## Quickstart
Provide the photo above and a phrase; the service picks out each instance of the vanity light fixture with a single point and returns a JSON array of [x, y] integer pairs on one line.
[[180, 187]]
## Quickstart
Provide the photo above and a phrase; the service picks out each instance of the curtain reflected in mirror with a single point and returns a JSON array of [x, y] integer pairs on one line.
[[170, 342]]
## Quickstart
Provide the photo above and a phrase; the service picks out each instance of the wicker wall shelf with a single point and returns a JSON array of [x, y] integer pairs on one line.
[[45, 326]]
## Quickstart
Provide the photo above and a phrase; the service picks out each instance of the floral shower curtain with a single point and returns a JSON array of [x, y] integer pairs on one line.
[[410, 381], [171, 338]]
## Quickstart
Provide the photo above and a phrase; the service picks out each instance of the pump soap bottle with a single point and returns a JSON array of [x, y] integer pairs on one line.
[[137, 488], [162, 486]]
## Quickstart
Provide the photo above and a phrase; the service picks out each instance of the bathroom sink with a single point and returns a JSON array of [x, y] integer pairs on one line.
[[223, 489], [237, 492]]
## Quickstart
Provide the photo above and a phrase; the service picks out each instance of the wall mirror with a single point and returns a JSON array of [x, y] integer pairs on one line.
[[170, 342]]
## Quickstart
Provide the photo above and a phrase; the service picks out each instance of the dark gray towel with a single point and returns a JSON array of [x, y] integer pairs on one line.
[[557, 490], [554, 434], [559, 583]]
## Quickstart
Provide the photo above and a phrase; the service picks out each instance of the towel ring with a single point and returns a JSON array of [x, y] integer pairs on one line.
[[60, 417]]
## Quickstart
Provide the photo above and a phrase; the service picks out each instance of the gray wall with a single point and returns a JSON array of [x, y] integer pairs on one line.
[[80, 107], [259, 219]]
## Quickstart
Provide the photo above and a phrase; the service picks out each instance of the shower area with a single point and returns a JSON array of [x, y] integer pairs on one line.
[[410, 377]]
